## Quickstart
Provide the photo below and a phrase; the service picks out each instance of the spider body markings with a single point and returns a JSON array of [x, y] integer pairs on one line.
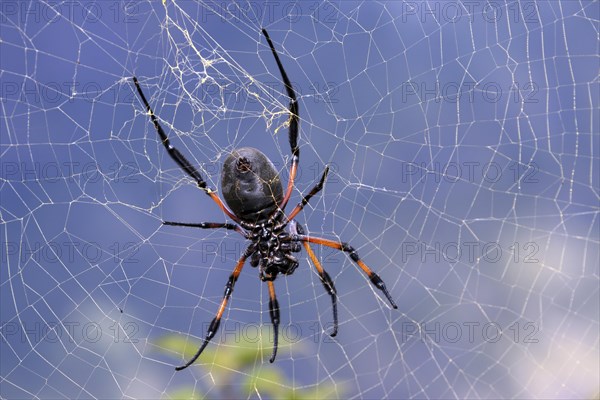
[[256, 202]]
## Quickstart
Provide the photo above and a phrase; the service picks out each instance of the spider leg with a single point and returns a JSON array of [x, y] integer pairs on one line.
[[274, 313], [214, 325], [179, 158], [327, 284], [209, 225], [345, 247], [293, 123], [323, 275], [316, 189]]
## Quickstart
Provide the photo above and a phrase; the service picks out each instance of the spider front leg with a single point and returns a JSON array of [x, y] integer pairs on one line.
[[345, 247], [214, 325], [316, 189], [179, 158], [293, 123]]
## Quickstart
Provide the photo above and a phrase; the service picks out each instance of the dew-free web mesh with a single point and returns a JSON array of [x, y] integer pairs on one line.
[[463, 143]]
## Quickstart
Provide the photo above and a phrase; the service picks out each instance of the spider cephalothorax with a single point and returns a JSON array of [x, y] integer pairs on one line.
[[253, 192], [274, 251]]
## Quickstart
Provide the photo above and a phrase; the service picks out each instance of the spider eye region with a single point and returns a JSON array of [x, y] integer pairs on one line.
[[251, 185]]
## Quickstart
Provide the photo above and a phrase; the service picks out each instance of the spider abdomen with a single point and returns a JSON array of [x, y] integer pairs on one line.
[[251, 185], [278, 262]]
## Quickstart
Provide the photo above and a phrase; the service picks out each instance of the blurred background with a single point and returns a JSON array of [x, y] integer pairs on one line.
[[463, 143]]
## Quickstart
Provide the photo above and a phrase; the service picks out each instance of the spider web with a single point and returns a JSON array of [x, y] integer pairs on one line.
[[463, 142]]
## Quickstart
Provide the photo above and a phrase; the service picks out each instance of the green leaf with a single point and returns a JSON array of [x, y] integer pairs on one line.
[[270, 382], [185, 394], [242, 363]]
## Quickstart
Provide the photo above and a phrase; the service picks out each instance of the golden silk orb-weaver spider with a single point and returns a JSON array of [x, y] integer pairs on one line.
[[256, 202]]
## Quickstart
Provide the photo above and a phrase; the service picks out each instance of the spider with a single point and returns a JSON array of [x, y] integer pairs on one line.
[[254, 194]]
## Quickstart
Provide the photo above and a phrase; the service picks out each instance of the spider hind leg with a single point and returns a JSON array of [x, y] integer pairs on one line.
[[323, 276], [214, 325], [345, 247], [274, 314]]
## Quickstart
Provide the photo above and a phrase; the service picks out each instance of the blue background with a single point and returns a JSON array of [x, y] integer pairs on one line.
[[449, 127]]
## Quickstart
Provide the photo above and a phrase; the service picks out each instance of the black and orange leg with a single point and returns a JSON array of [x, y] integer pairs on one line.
[[179, 158], [209, 225], [316, 189], [214, 325], [327, 284], [274, 314], [293, 123], [345, 247], [325, 279]]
